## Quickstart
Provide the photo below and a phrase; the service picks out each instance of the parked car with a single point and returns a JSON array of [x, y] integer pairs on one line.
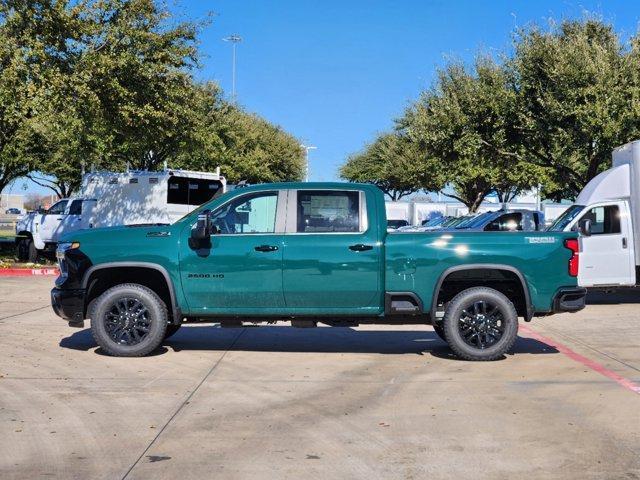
[[309, 253], [13, 211], [510, 220]]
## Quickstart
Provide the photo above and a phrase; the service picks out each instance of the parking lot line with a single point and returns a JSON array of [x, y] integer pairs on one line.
[[587, 362]]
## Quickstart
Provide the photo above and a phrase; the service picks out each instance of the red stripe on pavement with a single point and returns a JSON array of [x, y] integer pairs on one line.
[[593, 365], [28, 272]]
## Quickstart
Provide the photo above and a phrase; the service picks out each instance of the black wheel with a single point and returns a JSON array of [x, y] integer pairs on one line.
[[32, 252], [22, 250], [438, 327], [480, 324], [128, 320], [171, 329], [26, 250]]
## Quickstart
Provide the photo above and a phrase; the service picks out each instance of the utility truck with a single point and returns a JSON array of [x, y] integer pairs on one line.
[[110, 199], [607, 214], [310, 253]]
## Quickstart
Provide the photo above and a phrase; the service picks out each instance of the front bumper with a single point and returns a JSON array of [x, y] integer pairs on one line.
[[69, 304], [569, 299]]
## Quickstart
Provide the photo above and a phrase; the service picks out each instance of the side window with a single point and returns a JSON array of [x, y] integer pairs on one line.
[[76, 207], [191, 191], [509, 222], [604, 220], [247, 214], [328, 211], [58, 208]]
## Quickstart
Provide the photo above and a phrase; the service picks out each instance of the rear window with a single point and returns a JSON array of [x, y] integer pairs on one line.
[[75, 208], [509, 222], [328, 211]]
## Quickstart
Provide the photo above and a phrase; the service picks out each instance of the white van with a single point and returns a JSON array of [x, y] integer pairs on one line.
[[111, 199], [607, 213]]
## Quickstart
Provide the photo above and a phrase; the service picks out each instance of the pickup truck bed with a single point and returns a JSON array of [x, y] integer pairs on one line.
[[309, 253]]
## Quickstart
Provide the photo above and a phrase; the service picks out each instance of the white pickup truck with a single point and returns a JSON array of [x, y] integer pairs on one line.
[[38, 232]]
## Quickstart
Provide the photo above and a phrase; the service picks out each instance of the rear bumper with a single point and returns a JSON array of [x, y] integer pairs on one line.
[[570, 299], [69, 305]]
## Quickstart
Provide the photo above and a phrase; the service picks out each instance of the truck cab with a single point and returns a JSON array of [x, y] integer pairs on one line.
[[607, 213]]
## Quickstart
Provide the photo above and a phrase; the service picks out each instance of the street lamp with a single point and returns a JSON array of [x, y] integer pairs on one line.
[[234, 39], [306, 154]]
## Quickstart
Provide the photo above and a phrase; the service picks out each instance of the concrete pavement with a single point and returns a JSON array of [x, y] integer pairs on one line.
[[277, 402]]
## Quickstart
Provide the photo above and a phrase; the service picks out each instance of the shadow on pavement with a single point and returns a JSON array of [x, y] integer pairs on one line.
[[602, 297], [315, 340]]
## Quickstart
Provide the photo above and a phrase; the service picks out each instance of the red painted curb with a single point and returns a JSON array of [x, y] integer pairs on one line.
[[587, 362], [28, 272]]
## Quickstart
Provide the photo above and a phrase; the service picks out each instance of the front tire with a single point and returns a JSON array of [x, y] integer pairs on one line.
[[128, 320], [480, 324], [26, 251]]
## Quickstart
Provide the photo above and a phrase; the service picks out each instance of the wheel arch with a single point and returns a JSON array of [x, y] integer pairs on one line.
[[527, 311], [97, 272]]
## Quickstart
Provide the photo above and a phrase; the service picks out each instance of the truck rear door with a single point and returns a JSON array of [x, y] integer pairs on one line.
[[607, 256], [332, 254]]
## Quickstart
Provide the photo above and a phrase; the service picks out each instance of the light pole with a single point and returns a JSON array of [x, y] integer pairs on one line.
[[306, 154], [234, 39]]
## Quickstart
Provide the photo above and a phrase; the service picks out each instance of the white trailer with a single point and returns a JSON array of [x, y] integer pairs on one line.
[[607, 213], [111, 199]]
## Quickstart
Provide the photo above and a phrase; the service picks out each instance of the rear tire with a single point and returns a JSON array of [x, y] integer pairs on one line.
[[480, 324], [128, 320]]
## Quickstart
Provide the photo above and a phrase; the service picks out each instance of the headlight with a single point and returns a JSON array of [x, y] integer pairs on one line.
[[63, 247], [60, 251]]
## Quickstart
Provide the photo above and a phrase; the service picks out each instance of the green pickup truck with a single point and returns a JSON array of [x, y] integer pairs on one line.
[[310, 253]]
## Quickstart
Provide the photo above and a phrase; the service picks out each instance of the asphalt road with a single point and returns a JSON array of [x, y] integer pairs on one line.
[[327, 403]]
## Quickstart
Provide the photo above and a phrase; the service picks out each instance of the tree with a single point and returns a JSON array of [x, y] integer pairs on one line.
[[466, 122], [575, 100], [244, 145], [396, 165]]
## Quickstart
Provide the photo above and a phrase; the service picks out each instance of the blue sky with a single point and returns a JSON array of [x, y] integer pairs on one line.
[[335, 73]]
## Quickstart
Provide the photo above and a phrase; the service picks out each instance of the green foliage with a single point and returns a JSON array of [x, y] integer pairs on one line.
[[108, 83], [550, 114], [396, 165], [465, 121], [577, 98]]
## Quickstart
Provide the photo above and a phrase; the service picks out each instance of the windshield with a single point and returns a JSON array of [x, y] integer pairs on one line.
[[566, 218], [474, 221]]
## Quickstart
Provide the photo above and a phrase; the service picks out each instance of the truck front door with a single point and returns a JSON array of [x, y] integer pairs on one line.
[[607, 255], [332, 253], [241, 272], [50, 221]]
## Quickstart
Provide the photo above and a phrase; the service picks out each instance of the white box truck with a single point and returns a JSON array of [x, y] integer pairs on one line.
[[110, 199], [607, 213]]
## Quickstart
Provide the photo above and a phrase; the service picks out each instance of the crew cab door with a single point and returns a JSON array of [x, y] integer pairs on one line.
[[607, 255], [241, 271], [332, 253], [50, 221]]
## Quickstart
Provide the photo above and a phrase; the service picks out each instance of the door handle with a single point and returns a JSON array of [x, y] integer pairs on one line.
[[624, 242], [360, 247], [266, 248]]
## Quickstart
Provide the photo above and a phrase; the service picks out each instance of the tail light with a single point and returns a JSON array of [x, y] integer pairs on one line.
[[574, 262]]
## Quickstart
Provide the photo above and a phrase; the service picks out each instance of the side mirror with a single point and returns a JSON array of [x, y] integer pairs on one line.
[[41, 210], [584, 227], [202, 230]]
